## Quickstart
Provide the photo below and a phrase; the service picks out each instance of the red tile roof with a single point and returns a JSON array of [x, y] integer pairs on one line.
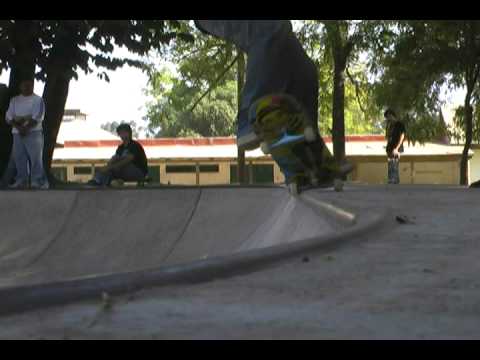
[[200, 141]]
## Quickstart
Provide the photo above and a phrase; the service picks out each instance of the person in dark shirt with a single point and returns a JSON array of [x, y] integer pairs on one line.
[[395, 137], [128, 164]]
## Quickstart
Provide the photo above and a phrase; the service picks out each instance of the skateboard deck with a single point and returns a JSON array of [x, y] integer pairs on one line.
[[290, 138]]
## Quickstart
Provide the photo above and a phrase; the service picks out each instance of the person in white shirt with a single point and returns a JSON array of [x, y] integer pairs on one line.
[[25, 114]]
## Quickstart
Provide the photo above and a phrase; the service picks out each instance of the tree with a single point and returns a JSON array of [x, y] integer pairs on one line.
[[72, 45], [5, 130], [346, 40], [19, 51], [200, 100], [427, 55], [169, 113], [323, 40], [341, 47]]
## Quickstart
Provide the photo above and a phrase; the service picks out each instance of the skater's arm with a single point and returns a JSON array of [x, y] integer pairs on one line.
[[120, 162], [10, 115], [18, 123], [400, 141], [29, 123]]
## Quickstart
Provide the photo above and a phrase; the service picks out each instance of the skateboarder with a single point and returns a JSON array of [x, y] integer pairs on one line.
[[277, 68], [25, 114], [277, 64], [128, 164], [395, 134]]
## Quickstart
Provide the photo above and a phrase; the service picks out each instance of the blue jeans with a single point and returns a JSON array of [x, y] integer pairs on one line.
[[393, 170], [29, 150], [128, 172], [277, 65]]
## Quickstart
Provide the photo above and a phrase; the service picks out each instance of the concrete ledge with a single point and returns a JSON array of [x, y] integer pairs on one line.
[[30, 297], [342, 216]]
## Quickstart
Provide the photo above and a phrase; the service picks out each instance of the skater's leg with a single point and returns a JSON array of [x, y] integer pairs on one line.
[[128, 172], [393, 171], [390, 170], [20, 156], [396, 170], [102, 178], [34, 147]]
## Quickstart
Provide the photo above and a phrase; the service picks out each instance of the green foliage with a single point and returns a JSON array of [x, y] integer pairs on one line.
[[361, 110], [200, 63], [199, 66], [423, 127], [422, 57], [86, 44], [456, 131], [169, 112]]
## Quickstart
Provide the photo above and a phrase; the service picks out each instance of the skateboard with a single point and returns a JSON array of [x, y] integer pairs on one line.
[[288, 135]]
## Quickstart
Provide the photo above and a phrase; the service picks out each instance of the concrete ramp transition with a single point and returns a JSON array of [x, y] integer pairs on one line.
[[60, 246]]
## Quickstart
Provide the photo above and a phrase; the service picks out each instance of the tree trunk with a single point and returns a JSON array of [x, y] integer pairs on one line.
[[338, 108], [55, 96], [27, 47], [342, 46], [22, 64], [6, 139], [472, 73], [241, 168], [464, 178]]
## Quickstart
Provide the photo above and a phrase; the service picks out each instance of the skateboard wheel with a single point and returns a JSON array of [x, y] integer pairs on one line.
[[265, 148], [310, 135], [338, 185]]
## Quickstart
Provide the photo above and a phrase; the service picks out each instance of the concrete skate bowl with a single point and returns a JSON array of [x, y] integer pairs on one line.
[[61, 246]]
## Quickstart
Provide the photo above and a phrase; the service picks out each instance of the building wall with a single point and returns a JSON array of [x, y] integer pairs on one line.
[[443, 170], [475, 164], [203, 178], [368, 170], [428, 172]]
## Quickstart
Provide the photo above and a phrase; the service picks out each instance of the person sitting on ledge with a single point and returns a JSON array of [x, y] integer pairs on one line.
[[128, 164]]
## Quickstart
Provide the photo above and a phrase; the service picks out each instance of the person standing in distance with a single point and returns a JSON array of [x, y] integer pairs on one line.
[[26, 113], [395, 133]]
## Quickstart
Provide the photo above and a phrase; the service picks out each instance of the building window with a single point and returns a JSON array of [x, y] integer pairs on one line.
[[262, 173], [256, 174], [192, 168], [234, 174], [82, 170], [180, 169], [209, 168], [60, 173]]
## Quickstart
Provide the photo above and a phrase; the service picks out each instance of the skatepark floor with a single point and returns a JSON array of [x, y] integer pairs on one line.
[[416, 278]]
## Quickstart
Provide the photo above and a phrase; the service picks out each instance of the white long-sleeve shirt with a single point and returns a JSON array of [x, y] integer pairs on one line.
[[21, 106]]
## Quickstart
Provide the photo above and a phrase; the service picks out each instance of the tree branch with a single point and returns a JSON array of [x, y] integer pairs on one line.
[[477, 72], [357, 90], [214, 83]]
